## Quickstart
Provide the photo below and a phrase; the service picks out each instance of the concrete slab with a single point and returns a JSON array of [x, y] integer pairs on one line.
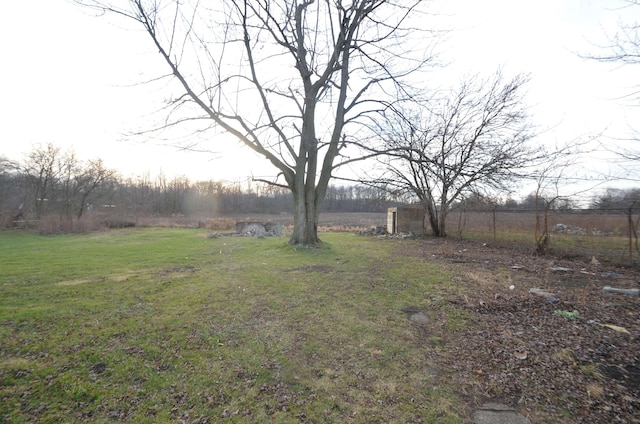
[[497, 413]]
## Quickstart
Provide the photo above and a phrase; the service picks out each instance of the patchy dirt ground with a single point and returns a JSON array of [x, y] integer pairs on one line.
[[575, 360]]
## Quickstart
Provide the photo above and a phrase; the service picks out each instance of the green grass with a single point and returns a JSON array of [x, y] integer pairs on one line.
[[163, 325]]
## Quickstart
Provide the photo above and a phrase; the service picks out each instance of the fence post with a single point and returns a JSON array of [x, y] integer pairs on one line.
[[632, 232], [494, 222]]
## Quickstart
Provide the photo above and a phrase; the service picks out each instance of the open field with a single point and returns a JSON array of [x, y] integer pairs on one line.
[[573, 234], [168, 325], [173, 325]]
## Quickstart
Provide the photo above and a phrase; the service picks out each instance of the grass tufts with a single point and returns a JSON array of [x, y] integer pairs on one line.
[[167, 325]]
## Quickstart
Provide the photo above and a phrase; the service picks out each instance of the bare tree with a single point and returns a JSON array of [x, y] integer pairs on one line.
[[624, 45], [10, 199], [561, 178], [55, 181], [40, 173], [88, 184], [285, 78], [549, 178], [623, 48], [472, 139]]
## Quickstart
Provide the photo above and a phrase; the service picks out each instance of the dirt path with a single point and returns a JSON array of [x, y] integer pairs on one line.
[[570, 358]]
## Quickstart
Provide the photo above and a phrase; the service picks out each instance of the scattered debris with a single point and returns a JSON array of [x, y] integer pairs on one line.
[[630, 292], [520, 355], [616, 328], [416, 315], [419, 318], [561, 269], [402, 235], [252, 228], [547, 295], [561, 228], [575, 370], [579, 231], [379, 230], [374, 231]]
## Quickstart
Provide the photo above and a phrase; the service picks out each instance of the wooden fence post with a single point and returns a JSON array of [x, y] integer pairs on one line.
[[632, 232], [494, 222]]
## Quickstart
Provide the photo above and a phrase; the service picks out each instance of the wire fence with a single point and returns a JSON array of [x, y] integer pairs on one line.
[[609, 235]]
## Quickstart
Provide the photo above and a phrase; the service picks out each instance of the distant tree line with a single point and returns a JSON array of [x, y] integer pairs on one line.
[[52, 182], [617, 199], [529, 202], [611, 199]]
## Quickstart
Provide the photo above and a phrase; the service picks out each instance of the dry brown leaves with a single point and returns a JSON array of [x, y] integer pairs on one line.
[[568, 361]]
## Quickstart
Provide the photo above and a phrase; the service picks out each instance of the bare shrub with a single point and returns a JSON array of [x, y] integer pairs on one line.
[[55, 224], [88, 223], [336, 228], [49, 224], [6, 221], [217, 223]]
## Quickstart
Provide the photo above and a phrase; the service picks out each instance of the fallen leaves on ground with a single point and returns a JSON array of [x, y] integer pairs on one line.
[[580, 367]]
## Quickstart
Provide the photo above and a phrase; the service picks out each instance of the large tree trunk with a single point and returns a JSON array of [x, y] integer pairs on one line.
[[431, 212], [308, 197], [437, 218], [432, 216], [305, 194], [442, 222], [305, 220]]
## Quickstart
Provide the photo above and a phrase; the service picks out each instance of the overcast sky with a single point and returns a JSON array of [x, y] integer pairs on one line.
[[73, 79]]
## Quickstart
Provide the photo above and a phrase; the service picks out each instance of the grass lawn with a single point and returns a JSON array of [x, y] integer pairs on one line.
[[167, 325]]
